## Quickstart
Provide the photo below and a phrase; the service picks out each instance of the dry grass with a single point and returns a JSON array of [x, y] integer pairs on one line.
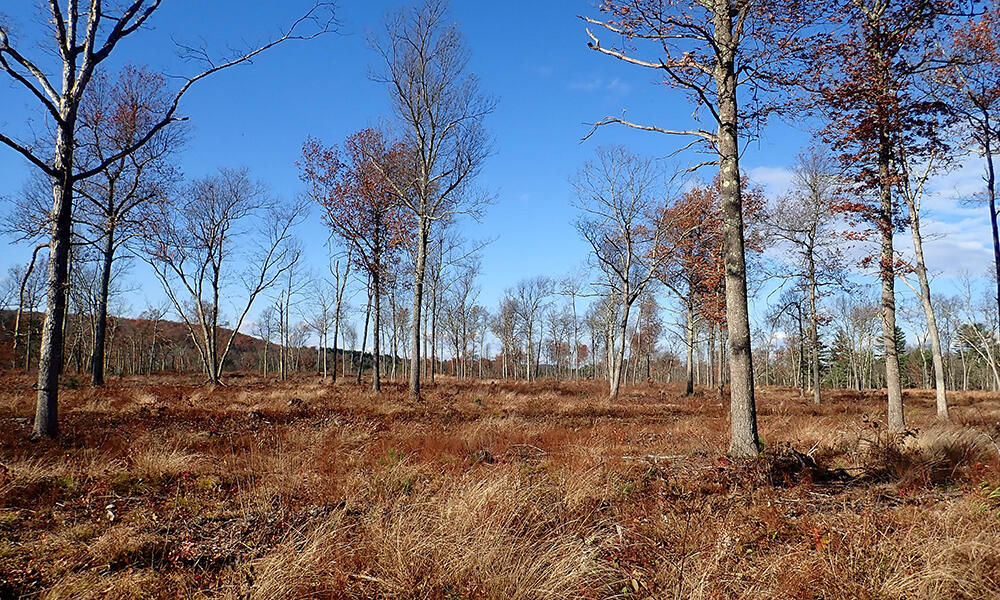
[[503, 490]]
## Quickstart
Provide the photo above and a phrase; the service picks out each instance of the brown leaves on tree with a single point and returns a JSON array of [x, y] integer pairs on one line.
[[692, 235], [867, 73], [360, 202]]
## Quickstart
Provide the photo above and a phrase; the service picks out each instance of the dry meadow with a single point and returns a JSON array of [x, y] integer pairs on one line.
[[493, 490]]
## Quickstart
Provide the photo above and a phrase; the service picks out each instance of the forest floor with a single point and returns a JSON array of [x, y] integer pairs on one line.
[[163, 488]]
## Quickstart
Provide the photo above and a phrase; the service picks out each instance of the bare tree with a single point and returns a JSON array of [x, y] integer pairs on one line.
[[979, 332], [463, 296], [340, 270], [710, 50], [28, 285], [289, 295], [805, 225], [504, 326], [84, 38], [912, 189], [620, 199], [572, 286], [531, 297], [194, 249], [264, 328], [440, 110], [153, 316], [115, 202], [321, 319], [350, 341]]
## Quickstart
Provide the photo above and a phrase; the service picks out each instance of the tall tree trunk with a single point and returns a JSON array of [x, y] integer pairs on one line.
[[887, 270], [336, 336], [434, 335], [619, 357], [711, 355], [813, 329], [27, 347], [100, 332], [57, 277], [991, 194], [376, 333], [801, 371], [928, 306], [418, 297], [325, 342], [689, 385], [744, 441], [719, 360], [152, 348], [364, 336]]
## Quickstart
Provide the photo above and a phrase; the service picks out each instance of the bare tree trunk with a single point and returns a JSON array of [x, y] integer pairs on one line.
[[711, 355], [434, 331], [619, 358], [364, 336], [928, 306], [801, 370], [744, 441], [376, 332], [418, 296], [719, 380], [50, 356], [813, 329], [991, 194], [101, 326], [152, 347], [896, 421]]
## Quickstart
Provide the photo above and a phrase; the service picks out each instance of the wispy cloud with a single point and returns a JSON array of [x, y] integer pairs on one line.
[[544, 71], [614, 86]]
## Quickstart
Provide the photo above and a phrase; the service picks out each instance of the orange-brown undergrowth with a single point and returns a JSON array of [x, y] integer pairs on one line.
[[164, 488]]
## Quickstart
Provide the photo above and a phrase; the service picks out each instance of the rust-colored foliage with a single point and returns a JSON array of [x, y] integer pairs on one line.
[[124, 108], [361, 205], [866, 72], [693, 228], [975, 71]]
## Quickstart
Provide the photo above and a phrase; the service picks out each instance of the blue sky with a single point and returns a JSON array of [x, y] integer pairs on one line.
[[531, 55]]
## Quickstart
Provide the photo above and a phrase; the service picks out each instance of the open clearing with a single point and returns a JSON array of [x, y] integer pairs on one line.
[[502, 490]]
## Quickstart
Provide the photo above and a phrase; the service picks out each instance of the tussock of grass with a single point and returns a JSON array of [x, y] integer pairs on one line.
[[496, 538]]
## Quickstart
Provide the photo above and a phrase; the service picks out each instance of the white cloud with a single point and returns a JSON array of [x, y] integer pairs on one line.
[[776, 181]]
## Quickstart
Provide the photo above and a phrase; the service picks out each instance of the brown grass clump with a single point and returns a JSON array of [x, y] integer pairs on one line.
[[500, 490], [496, 538]]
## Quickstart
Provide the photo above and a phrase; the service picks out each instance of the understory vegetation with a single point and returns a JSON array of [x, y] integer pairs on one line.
[[492, 489]]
